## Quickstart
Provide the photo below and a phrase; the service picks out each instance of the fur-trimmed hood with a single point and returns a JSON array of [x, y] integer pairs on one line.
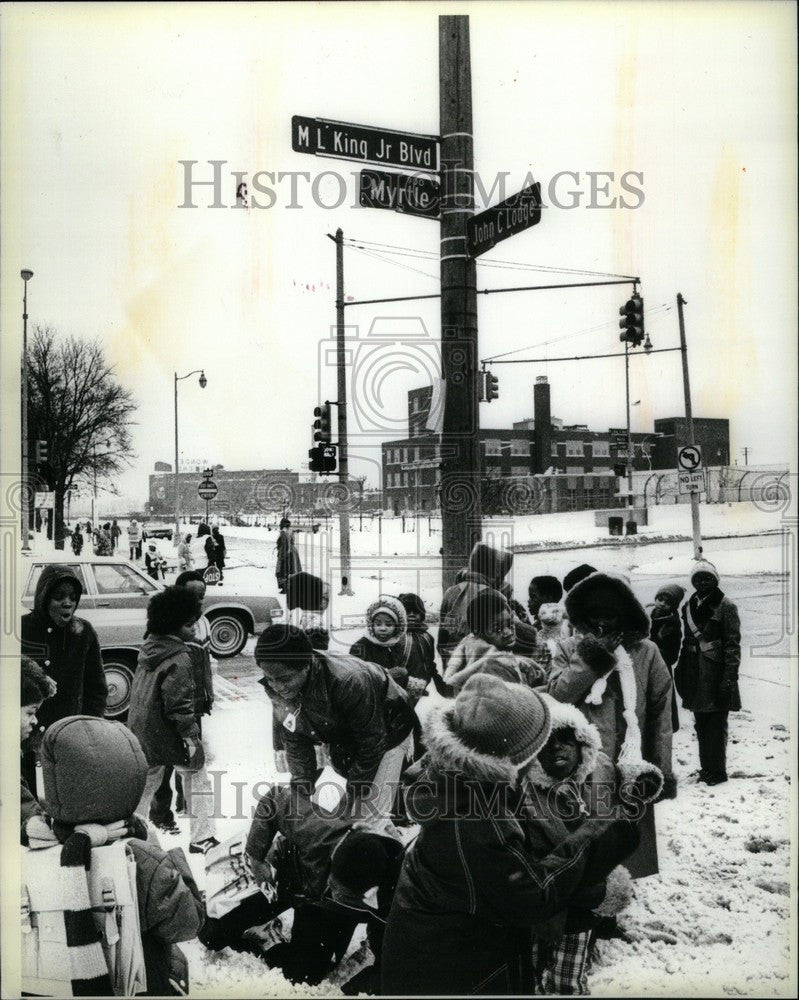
[[600, 589], [448, 752], [393, 607], [566, 716]]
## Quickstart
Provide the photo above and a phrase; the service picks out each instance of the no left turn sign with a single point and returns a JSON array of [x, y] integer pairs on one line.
[[689, 458]]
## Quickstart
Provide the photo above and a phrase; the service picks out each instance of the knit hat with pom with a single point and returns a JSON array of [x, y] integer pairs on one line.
[[508, 721], [703, 566], [413, 605]]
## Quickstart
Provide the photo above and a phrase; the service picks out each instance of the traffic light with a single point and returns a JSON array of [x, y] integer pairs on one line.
[[329, 459], [322, 459], [41, 452], [492, 387], [481, 386], [315, 455], [321, 426], [632, 320]]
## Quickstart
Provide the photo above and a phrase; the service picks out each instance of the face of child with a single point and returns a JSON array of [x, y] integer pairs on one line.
[[197, 589], [62, 602], [560, 755], [534, 600], [186, 632], [663, 604], [502, 632], [704, 583], [383, 626], [285, 680], [414, 619], [27, 720]]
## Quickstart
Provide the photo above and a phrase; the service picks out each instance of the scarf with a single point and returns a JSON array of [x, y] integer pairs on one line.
[[630, 752]]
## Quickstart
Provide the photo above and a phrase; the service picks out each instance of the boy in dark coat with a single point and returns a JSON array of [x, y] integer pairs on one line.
[[67, 648], [469, 890], [321, 865], [94, 772], [707, 671], [422, 661], [385, 643], [666, 633], [162, 710]]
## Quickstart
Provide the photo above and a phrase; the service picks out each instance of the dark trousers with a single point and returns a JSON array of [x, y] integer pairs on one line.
[[711, 733], [161, 804], [318, 937]]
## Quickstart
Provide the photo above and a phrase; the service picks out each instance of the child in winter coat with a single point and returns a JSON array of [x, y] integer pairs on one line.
[[35, 688], [422, 659], [488, 646], [384, 643], [77, 541], [569, 784], [707, 671], [666, 633], [154, 562], [94, 772]]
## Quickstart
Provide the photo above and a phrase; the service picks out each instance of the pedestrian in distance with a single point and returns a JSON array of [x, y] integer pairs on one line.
[[352, 707], [154, 562], [77, 540], [616, 676], [134, 539], [116, 532], [489, 645], [707, 670], [219, 551], [203, 549], [185, 555], [666, 633], [288, 559], [163, 712]]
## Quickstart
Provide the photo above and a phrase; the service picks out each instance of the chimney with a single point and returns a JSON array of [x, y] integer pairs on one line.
[[542, 445]]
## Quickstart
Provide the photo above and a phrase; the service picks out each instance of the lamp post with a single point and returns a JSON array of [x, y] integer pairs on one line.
[[203, 383], [26, 275], [94, 478]]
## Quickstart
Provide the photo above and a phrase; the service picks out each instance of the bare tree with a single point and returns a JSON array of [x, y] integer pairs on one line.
[[76, 404]]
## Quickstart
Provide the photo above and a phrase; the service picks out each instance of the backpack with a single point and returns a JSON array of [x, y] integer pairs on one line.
[[80, 929]]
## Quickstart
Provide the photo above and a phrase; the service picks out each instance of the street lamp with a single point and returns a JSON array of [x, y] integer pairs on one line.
[[203, 383], [94, 473], [26, 276]]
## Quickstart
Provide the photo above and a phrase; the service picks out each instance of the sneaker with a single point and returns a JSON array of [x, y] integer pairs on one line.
[[203, 846], [170, 827]]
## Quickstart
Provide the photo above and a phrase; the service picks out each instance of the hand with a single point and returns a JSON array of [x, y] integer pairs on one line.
[[96, 832]]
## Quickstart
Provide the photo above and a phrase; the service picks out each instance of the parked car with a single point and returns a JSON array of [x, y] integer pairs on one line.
[[115, 596], [158, 530]]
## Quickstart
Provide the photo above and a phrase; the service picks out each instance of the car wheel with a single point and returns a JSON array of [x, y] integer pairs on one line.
[[228, 634], [119, 670]]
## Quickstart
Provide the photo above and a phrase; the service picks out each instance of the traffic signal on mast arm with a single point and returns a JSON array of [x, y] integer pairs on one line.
[[322, 459], [492, 387], [315, 456], [41, 453], [632, 320], [321, 425]]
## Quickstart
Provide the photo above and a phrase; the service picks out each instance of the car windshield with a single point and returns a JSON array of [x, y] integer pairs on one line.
[[117, 578]]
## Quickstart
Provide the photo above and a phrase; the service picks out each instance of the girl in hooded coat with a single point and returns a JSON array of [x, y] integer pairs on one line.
[[617, 678], [385, 640]]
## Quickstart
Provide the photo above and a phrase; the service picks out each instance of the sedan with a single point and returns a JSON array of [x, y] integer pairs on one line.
[[114, 601]]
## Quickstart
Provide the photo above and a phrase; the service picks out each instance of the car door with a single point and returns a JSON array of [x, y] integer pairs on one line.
[[120, 594]]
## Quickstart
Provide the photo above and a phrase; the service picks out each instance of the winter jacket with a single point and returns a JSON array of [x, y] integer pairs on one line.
[[70, 654], [220, 550], [134, 533], [203, 548], [422, 658], [185, 556], [666, 633], [556, 808], [709, 662], [470, 890], [487, 568], [288, 560], [202, 674], [170, 909], [352, 706], [390, 656], [77, 542], [162, 700], [311, 836], [474, 655]]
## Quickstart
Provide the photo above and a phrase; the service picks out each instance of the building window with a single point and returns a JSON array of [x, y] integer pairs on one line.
[[574, 449], [601, 449], [519, 447], [493, 446], [574, 470], [554, 449]]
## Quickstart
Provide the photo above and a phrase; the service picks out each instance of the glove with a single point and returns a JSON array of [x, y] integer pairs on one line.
[[77, 851], [669, 790], [137, 827]]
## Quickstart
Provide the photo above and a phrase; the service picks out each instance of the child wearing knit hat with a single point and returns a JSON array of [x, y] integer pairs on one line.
[[384, 642], [488, 646], [666, 633]]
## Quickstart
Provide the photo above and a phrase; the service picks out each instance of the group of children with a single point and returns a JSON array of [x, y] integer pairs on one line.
[[530, 706]]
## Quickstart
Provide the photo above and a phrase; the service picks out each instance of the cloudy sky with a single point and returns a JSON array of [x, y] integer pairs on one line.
[[102, 102]]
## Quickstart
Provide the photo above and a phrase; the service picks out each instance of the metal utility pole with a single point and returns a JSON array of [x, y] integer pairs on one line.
[[26, 275], [341, 390], [630, 502], [460, 442], [689, 419], [746, 451]]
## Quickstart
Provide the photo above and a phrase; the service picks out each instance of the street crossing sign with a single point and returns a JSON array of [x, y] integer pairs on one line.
[[364, 143], [407, 193]]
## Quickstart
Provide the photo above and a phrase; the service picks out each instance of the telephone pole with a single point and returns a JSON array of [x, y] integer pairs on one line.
[[460, 440], [343, 462], [746, 451], [689, 420]]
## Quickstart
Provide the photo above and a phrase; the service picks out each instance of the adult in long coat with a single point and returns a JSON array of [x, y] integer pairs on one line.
[[707, 671], [469, 891], [617, 678], [288, 559]]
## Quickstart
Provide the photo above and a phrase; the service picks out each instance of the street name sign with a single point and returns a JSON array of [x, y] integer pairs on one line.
[[364, 143], [207, 489], [514, 215], [407, 193], [691, 482], [689, 458]]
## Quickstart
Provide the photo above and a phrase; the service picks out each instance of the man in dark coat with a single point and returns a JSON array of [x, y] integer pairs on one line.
[[288, 559], [67, 648], [707, 672], [354, 707], [162, 710], [488, 567], [469, 892]]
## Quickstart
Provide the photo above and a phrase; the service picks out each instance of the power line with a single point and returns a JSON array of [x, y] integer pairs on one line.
[[576, 357]]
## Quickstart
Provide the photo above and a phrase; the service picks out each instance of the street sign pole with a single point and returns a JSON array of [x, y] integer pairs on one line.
[[341, 389], [460, 440], [689, 420]]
